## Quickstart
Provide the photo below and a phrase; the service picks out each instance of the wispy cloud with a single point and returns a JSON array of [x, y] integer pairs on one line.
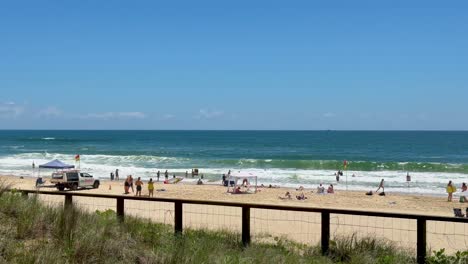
[[50, 112], [168, 117], [11, 110], [114, 115], [209, 114], [329, 115]]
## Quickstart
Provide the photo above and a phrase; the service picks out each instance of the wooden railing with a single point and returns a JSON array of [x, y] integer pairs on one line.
[[325, 215]]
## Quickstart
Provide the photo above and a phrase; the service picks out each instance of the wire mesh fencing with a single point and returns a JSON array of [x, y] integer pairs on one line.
[[54, 201], [210, 217], [400, 232], [449, 235], [158, 212], [91, 204], [270, 225]]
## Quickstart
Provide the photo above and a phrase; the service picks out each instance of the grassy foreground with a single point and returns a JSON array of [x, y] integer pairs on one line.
[[33, 233]]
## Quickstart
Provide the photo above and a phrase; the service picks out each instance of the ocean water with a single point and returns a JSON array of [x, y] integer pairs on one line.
[[286, 158]]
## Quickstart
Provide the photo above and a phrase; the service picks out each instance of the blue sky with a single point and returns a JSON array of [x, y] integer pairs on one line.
[[238, 65]]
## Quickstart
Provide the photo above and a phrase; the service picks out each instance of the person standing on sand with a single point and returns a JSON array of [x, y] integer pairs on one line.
[[381, 185], [139, 185], [450, 190], [166, 175], [127, 184], [151, 187], [130, 181], [158, 174], [117, 174]]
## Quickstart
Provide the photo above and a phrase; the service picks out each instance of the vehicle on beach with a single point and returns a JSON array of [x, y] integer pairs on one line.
[[73, 180]]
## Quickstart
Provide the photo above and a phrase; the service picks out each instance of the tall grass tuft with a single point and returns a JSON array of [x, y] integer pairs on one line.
[[351, 249]]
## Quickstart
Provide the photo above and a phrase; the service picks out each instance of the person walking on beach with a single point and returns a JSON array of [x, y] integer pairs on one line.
[[139, 185], [158, 174], [112, 176], [381, 185], [166, 175], [151, 187], [450, 190], [117, 174]]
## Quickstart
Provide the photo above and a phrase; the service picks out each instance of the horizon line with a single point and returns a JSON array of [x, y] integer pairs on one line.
[[266, 130]]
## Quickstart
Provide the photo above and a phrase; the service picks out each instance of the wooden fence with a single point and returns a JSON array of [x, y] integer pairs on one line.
[[325, 215]]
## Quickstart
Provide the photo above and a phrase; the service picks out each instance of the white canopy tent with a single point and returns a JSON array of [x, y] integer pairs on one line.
[[235, 177]]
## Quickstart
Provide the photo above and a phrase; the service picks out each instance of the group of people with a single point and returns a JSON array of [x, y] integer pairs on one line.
[[128, 184], [452, 189], [114, 176], [288, 196], [139, 186]]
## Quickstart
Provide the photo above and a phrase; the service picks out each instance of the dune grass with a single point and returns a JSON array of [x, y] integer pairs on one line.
[[33, 233]]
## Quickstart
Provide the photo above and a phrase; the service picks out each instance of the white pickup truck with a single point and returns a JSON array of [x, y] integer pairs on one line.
[[73, 179]]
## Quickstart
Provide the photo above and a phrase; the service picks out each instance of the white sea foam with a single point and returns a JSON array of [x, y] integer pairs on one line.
[[147, 166]]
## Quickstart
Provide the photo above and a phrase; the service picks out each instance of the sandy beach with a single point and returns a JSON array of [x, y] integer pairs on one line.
[[302, 227]]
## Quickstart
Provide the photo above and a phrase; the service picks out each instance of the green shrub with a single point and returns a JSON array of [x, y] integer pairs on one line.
[[440, 257]]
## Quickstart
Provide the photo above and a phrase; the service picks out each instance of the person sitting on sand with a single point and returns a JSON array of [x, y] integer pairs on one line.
[[320, 189], [238, 190], [151, 187], [199, 182], [464, 188], [287, 196], [139, 185], [301, 197], [330, 189], [39, 181], [245, 182], [381, 186]]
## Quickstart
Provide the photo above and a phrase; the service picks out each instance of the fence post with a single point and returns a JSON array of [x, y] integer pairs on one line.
[[68, 201], [120, 209], [325, 232], [421, 240], [245, 225], [178, 214]]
